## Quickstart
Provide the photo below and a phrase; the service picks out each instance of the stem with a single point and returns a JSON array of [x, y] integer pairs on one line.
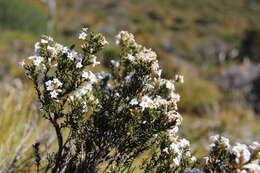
[[60, 143]]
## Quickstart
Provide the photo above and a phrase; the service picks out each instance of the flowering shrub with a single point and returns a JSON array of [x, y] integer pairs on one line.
[[226, 158], [105, 121]]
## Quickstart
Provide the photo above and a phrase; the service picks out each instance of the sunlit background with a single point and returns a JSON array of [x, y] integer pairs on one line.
[[215, 44]]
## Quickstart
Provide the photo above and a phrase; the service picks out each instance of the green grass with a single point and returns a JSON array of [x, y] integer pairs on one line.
[[22, 15]]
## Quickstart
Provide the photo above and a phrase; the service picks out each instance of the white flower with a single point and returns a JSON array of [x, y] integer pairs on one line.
[[174, 116], [219, 139], [90, 76], [46, 40], [115, 63], [193, 159], [37, 47], [156, 68], [64, 49], [173, 130], [53, 85], [43, 41], [79, 65], [73, 55], [130, 57], [117, 95], [170, 85], [174, 96], [159, 101], [176, 161], [85, 108], [133, 102], [146, 55], [22, 63], [252, 167], [243, 171], [94, 61], [254, 146], [103, 41], [166, 150], [54, 94], [83, 90], [183, 143], [85, 29], [103, 75], [174, 147], [214, 138], [57, 82], [146, 102], [241, 152], [83, 35], [124, 36], [52, 50], [36, 60], [49, 85], [179, 78], [206, 159]]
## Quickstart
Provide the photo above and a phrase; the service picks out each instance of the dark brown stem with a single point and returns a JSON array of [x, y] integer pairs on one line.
[[60, 143]]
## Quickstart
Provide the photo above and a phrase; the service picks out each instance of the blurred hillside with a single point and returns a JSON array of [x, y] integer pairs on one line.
[[214, 44]]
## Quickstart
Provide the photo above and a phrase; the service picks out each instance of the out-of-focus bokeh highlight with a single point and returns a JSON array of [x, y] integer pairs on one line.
[[215, 44]]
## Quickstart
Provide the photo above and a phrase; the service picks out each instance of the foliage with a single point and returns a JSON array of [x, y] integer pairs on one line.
[[112, 118]]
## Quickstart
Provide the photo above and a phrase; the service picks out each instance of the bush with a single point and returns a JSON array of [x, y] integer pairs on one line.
[[112, 118]]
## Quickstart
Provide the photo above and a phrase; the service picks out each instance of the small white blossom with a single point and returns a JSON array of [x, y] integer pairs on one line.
[[146, 55], [254, 146], [115, 63], [117, 95], [219, 139], [85, 29], [54, 94], [241, 152], [133, 102], [176, 161], [146, 102], [37, 47], [166, 150], [79, 65], [174, 96], [174, 147], [22, 63], [124, 36], [43, 41], [79, 93], [252, 167], [130, 57], [159, 101], [90, 76], [85, 108], [174, 116], [94, 61], [83, 36], [173, 130], [170, 85], [179, 78], [37, 60], [183, 143]]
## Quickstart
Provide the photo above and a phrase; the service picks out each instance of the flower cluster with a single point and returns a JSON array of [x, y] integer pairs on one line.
[[53, 86], [238, 158], [180, 148]]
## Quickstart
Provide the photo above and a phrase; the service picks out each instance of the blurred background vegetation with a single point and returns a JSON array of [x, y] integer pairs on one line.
[[214, 44]]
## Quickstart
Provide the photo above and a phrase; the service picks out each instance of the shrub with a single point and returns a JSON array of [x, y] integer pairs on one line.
[[110, 118]]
